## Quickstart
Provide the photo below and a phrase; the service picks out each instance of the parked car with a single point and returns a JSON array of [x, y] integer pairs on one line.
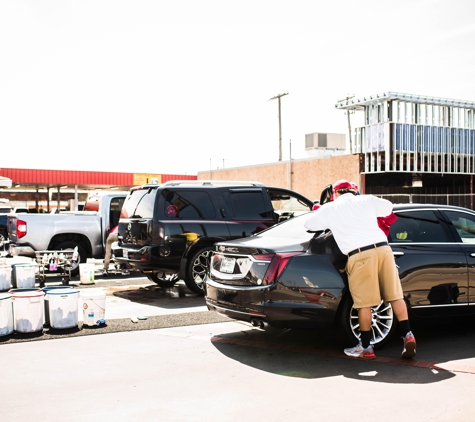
[[167, 231], [288, 277]]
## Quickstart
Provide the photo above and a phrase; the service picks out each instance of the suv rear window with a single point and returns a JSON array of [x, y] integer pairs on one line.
[[139, 203], [188, 204]]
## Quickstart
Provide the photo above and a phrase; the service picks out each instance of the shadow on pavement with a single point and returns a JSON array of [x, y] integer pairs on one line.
[[318, 354], [175, 297]]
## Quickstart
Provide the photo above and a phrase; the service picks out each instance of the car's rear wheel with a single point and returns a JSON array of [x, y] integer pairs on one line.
[[163, 280], [383, 324], [197, 269]]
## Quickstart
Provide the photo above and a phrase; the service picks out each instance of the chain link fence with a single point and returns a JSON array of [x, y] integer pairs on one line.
[[466, 200]]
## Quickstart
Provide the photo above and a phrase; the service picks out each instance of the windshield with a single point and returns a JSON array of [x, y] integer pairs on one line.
[[290, 229]]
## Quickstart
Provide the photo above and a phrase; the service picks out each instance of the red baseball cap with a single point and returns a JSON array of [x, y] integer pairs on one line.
[[342, 184]]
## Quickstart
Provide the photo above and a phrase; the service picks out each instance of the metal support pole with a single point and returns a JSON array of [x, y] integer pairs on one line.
[[290, 164], [278, 97], [349, 131], [349, 122]]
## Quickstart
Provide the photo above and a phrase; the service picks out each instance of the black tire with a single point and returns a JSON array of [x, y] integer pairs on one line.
[[163, 281], [383, 325], [198, 267], [3, 238], [82, 257]]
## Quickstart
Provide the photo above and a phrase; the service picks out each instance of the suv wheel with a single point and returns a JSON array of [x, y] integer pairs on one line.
[[197, 269], [163, 281]]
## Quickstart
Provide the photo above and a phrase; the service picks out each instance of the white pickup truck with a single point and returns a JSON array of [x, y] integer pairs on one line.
[[87, 230]]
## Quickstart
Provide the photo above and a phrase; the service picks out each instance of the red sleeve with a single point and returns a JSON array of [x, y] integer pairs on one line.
[[385, 222]]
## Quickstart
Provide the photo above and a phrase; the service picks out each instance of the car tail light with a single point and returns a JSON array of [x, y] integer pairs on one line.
[[158, 233], [20, 228], [277, 266]]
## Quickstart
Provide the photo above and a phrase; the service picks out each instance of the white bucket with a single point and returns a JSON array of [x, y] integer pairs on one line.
[[6, 314], [86, 273], [5, 277], [23, 275], [46, 290], [28, 311], [94, 307], [63, 307]]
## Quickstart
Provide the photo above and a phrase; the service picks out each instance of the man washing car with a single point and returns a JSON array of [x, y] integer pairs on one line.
[[371, 268]]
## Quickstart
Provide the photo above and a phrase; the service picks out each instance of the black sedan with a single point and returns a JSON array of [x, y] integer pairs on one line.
[[287, 277]]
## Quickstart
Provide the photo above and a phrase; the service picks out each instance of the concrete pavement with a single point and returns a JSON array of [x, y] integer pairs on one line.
[[184, 367]]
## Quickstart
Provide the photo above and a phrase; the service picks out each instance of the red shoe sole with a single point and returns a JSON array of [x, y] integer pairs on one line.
[[409, 349]]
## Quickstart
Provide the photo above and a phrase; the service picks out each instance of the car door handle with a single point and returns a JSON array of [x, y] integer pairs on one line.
[[398, 253], [472, 254]]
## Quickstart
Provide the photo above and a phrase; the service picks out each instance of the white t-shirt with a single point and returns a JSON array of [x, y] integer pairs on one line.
[[352, 220]]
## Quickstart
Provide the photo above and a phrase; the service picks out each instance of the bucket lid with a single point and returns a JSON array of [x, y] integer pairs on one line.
[[24, 264], [37, 293], [5, 296], [62, 292], [48, 288]]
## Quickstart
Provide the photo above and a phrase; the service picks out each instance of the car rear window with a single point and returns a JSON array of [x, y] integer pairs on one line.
[[289, 229], [139, 203]]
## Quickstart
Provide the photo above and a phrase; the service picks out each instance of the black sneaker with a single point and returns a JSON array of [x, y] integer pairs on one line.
[[105, 273]]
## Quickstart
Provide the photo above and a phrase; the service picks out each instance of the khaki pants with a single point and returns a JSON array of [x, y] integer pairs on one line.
[[113, 237], [372, 276]]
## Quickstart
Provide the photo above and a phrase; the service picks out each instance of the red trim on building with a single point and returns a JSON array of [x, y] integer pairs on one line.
[[69, 177]]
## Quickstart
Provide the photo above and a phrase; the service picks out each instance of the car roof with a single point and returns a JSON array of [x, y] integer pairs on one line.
[[201, 184], [403, 207]]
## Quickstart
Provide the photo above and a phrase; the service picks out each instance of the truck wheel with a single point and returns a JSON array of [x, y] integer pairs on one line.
[[197, 269], [3, 238], [162, 280], [81, 255]]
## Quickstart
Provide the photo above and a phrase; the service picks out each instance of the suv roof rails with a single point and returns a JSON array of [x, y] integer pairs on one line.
[[211, 183]]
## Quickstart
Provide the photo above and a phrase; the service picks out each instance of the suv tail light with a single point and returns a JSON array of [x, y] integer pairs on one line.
[[20, 228], [277, 266]]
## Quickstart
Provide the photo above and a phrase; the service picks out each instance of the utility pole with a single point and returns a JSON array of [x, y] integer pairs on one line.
[[278, 97], [349, 123]]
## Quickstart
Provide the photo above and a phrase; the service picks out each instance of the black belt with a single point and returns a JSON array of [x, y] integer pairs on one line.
[[365, 248]]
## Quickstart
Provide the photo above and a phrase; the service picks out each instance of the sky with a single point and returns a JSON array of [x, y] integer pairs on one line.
[[178, 87]]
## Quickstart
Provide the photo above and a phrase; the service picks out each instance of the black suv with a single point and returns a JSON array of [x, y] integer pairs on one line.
[[167, 231]]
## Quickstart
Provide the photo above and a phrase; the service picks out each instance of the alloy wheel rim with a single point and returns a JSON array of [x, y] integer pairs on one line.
[[381, 324]]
